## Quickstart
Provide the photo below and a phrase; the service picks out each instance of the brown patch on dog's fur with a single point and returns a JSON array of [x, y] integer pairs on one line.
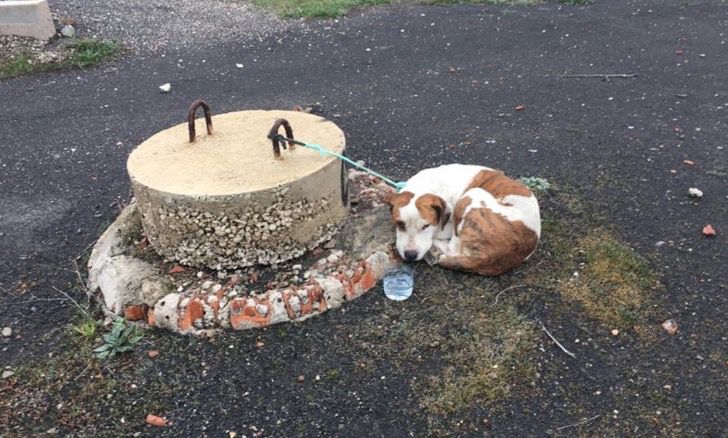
[[397, 201], [493, 244], [459, 212], [498, 184], [431, 208]]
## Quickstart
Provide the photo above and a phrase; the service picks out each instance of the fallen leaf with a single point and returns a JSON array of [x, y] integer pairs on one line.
[[615, 332], [152, 353], [156, 421], [670, 326], [689, 162], [259, 344], [520, 107], [176, 269], [708, 230]]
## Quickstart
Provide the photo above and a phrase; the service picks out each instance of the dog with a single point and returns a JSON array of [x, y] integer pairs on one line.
[[475, 217]]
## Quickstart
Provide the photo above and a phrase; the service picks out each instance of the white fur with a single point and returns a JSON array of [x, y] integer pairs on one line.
[[521, 208], [448, 182]]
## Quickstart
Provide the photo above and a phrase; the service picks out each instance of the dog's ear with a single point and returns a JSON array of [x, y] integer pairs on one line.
[[433, 209], [389, 199], [400, 199]]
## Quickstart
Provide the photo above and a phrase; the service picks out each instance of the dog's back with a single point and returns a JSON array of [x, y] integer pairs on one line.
[[493, 234]]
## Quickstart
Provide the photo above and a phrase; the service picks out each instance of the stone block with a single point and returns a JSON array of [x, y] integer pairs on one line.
[[28, 18]]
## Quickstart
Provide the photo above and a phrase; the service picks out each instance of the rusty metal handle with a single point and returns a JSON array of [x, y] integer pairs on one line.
[[191, 118], [275, 138]]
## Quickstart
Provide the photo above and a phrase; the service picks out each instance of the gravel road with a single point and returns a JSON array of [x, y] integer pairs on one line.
[[156, 25]]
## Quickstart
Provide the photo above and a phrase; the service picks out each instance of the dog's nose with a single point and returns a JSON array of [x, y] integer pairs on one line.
[[410, 255]]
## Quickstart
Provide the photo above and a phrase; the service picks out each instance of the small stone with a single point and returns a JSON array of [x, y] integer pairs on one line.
[[152, 353], [695, 192], [330, 244], [68, 31], [165, 88], [154, 420], [7, 373], [7, 332], [709, 231], [259, 344], [615, 332], [300, 379], [670, 326]]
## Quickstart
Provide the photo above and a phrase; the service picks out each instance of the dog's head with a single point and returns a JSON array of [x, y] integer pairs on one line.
[[418, 219]]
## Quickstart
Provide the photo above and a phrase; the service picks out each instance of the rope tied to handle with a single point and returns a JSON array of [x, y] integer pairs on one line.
[[280, 139]]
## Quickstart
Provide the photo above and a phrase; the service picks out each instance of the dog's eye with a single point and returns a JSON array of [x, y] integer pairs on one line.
[[424, 227], [401, 226]]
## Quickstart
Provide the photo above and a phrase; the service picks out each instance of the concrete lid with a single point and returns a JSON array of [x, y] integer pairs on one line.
[[236, 158]]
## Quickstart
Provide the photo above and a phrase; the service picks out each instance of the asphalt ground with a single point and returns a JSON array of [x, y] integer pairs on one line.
[[412, 87]]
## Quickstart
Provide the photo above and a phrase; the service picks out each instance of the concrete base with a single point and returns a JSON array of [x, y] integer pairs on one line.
[[145, 288], [224, 201], [28, 18]]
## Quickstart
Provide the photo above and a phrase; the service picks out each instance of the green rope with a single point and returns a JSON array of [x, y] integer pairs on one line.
[[323, 151]]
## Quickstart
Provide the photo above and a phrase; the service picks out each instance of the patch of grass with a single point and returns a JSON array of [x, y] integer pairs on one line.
[[615, 284], [315, 8], [535, 183], [21, 65], [336, 8], [88, 52], [82, 53], [85, 329], [490, 362]]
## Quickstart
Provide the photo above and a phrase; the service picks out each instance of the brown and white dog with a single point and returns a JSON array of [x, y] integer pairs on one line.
[[494, 225]]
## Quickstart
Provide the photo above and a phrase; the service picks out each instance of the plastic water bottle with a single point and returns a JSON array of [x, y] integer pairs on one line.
[[399, 283]]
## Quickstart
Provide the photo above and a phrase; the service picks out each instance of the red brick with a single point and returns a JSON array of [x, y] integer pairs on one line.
[[136, 312], [193, 312]]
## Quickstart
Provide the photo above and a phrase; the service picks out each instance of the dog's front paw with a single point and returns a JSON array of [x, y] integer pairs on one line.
[[433, 256]]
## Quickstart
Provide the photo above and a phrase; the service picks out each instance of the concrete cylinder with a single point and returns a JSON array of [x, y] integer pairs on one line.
[[224, 201]]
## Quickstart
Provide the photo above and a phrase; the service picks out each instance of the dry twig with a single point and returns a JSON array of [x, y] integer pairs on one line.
[[602, 75], [578, 423], [73, 301], [505, 290], [557, 342]]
